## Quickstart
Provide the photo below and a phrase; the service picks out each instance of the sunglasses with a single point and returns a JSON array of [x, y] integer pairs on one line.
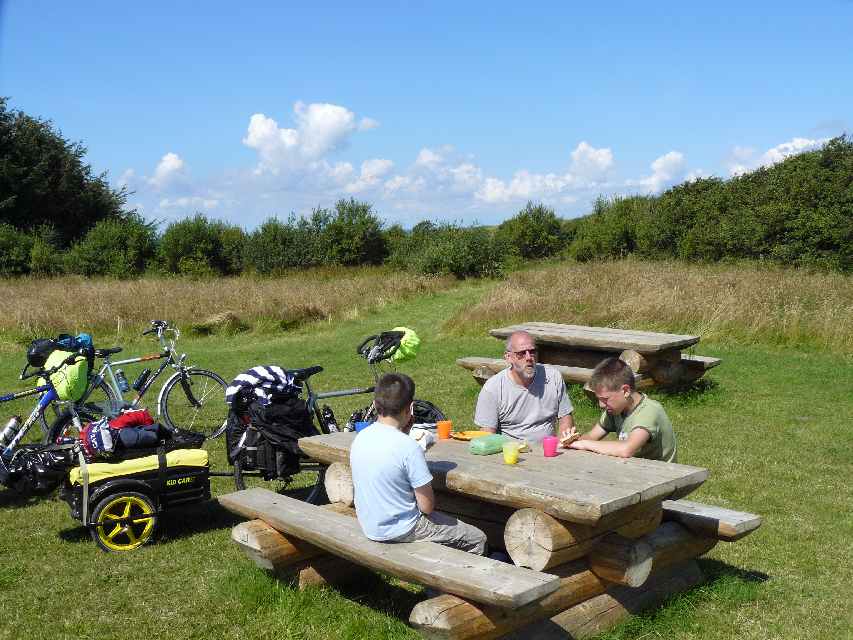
[[524, 352]]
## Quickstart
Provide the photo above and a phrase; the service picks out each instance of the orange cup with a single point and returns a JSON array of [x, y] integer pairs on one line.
[[444, 427]]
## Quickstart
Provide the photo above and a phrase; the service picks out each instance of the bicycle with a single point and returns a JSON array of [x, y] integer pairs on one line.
[[11, 438], [199, 406], [255, 461]]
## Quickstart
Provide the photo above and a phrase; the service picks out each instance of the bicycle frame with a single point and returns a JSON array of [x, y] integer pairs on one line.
[[107, 370], [49, 395]]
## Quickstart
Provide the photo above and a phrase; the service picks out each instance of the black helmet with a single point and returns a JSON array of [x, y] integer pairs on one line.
[[39, 350]]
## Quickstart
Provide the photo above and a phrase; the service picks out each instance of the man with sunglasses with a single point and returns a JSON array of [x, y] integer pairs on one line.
[[524, 400]]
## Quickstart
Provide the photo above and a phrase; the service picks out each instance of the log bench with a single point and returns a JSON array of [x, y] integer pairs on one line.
[[473, 577]]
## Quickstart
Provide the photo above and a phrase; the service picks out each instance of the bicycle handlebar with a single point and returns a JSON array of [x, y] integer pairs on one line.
[[384, 345]]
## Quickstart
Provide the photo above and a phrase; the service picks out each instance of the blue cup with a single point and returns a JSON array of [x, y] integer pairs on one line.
[[362, 425]]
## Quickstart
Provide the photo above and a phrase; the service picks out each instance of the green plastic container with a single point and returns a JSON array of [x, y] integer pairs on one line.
[[487, 445]]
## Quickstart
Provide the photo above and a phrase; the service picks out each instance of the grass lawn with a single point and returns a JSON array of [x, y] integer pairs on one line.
[[773, 425]]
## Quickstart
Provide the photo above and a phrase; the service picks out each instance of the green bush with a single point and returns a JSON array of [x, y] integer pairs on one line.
[[798, 212], [534, 232], [353, 235], [200, 247], [15, 247], [472, 252], [276, 246], [115, 248]]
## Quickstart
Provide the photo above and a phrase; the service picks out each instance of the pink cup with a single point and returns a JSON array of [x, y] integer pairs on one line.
[[549, 446]]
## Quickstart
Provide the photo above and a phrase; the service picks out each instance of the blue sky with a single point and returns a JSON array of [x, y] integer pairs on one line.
[[441, 111]]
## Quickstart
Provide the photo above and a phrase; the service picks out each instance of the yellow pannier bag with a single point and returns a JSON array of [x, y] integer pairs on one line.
[[71, 379]]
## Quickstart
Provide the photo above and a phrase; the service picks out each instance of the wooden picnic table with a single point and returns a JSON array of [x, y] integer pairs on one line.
[[578, 527], [656, 358], [576, 486]]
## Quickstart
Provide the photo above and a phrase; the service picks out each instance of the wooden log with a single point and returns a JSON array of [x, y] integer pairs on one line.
[[536, 540], [323, 570], [454, 571], [630, 562], [452, 617], [635, 360], [338, 483], [622, 560], [602, 612], [270, 549], [673, 544], [710, 521], [642, 525], [273, 551]]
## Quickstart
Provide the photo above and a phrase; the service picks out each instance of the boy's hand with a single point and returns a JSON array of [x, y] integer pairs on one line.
[[568, 433]]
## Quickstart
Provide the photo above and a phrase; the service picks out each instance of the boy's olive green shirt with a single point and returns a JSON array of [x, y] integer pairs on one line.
[[649, 415]]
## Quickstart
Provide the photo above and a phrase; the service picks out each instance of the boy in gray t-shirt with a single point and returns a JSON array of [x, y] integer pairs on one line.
[[640, 423], [524, 400]]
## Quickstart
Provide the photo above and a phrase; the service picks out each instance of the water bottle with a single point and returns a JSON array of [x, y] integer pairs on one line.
[[121, 381], [329, 419], [141, 379], [10, 431]]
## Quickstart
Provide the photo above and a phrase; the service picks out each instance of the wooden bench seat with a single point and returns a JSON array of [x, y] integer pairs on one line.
[[470, 576], [713, 522], [485, 368]]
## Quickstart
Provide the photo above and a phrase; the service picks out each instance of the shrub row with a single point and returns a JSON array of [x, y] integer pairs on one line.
[[798, 212], [349, 235]]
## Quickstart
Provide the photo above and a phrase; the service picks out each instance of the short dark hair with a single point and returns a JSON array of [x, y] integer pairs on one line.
[[611, 374], [394, 393]]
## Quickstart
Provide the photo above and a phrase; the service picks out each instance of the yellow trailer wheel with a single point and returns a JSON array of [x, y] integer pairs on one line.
[[124, 521]]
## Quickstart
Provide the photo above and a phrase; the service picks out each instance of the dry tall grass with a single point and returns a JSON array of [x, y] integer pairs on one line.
[[121, 309], [740, 302]]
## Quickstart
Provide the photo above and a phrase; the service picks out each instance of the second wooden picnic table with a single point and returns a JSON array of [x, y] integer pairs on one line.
[[656, 358]]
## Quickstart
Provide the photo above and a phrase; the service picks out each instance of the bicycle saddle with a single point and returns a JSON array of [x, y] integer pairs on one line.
[[103, 353], [303, 374]]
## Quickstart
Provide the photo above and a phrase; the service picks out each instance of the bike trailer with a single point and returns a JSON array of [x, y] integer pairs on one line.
[[120, 502]]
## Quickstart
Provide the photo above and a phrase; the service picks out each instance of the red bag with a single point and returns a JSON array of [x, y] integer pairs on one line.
[[135, 418]]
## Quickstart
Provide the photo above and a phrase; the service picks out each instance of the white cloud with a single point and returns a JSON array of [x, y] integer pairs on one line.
[[170, 167], [320, 129], [667, 170], [371, 172], [187, 202], [366, 124], [591, 163], [743, 160], [429, 159]]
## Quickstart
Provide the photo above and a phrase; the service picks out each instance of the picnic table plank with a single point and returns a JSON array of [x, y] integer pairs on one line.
[[465, 574], [603, 338], [576, 486]]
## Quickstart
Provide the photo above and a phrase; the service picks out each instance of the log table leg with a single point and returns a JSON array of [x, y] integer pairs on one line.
[[538, 541], [604, 611]]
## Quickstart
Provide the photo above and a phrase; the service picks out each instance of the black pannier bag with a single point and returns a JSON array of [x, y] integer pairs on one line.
[[280, 423], [38, 469]]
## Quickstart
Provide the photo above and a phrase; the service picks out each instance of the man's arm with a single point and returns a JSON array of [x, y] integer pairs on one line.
[[486, 411], [425, 497], [621, 448], [566, 426]]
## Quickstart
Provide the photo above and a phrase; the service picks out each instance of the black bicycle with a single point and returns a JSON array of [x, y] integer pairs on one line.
[[258, 456]]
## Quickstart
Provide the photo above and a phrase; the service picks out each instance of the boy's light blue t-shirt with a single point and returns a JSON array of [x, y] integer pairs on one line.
[[387, 465]]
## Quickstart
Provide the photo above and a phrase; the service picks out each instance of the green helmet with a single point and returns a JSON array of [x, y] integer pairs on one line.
[[409, 345]]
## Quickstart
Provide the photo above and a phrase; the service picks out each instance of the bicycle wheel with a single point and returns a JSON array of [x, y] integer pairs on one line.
[[426, 412], [307, 485], [90, 411], [195, 402], [102, 401]]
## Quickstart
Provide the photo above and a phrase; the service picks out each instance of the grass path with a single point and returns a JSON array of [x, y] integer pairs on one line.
[[774, 427]]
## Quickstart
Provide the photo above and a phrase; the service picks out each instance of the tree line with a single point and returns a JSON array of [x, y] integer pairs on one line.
[[57, 217]]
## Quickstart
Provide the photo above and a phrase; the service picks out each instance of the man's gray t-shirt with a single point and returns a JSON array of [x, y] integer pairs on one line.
[[526, 413]]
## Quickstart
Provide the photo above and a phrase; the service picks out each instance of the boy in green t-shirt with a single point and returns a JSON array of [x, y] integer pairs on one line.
[[642, 426]]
